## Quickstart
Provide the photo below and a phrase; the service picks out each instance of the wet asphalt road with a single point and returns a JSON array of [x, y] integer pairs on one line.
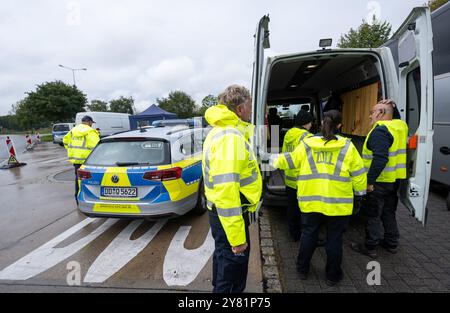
[[47, 245]]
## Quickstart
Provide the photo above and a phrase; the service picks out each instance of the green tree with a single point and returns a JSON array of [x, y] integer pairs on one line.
[[9, 122], [51, 102], [122, 105], [367, 35], [207, 102], [98, 106], [434, 4], [178, 102]]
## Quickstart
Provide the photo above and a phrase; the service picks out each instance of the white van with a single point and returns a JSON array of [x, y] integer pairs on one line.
[[441, 64], [360, 77], [107, 123]]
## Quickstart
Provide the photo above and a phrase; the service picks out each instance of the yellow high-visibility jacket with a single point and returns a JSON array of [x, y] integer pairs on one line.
[[396, 166], [329, 175], [230, 169], [292, 139], [79, 142]]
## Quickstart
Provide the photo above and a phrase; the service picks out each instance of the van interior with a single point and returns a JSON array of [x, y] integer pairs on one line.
[[348, 82]]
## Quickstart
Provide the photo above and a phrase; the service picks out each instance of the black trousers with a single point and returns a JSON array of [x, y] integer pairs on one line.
[[380, 210], [229, 270], [76, 166], [294, 220], [310, 233]]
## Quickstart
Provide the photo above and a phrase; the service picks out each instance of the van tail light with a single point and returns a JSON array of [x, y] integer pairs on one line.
[[412, 143], [83, 175], [163, 175]]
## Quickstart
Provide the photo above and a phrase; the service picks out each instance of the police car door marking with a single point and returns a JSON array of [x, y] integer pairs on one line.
[[47, 256], [182, 266], [121, 251]]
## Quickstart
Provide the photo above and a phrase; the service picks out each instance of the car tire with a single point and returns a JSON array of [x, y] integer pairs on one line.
[[200, 207]]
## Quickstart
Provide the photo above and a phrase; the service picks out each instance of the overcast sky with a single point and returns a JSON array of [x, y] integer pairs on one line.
[[147, 48]]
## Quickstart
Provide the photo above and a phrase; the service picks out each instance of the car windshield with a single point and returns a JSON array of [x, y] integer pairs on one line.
[[130, 153], [61, 128]]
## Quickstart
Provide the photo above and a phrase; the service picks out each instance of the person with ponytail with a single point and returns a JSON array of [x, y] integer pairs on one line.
[[330, 174]]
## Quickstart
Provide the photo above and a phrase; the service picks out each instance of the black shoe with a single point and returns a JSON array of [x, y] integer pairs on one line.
[[302, 276], [389, 248], [332, 283], [321, 242], [361, 248]]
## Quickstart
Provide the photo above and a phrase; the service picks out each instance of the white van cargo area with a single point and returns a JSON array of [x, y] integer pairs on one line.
[[352, 81], [347, 81]]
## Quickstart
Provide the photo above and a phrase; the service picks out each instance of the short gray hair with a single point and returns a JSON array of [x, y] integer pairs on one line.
[[234, 95]]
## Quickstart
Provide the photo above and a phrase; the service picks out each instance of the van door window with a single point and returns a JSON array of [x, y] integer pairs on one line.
[[413, 101]]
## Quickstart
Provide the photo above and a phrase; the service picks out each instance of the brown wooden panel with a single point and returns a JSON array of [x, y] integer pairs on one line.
[[356, 107]]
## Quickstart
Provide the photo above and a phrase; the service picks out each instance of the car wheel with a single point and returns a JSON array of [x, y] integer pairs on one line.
[[200, 207]]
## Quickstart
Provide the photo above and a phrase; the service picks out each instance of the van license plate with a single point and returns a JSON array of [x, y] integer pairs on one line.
[[119, 192]]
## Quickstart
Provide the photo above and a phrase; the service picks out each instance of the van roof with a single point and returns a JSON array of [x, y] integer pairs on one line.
[[320, 51], [102, 113]]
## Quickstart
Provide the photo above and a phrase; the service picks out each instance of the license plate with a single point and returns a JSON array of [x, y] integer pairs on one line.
[[119, 192]]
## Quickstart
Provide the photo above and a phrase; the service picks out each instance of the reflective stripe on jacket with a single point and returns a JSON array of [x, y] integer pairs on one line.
[[396, 166], [79, 142], [229, 170], [292, 139], [329, 175]]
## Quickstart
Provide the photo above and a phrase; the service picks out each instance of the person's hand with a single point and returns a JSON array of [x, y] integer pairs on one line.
[[370, 188], [239, 249]]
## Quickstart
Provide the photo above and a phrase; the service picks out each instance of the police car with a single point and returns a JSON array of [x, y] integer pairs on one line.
[[154, 172]]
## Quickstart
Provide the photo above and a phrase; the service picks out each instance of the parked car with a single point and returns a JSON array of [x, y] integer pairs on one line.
[[60, 130], [151, 173], [401, 70], [107, 123]]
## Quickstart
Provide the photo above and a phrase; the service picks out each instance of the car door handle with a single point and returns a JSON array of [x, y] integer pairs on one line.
[[445, 150]]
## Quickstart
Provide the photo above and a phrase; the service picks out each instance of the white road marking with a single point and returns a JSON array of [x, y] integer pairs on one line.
[[47, 256], [121, 251], [182, 266]]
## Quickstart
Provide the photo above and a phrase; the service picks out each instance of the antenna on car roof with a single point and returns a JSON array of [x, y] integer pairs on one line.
[[142, 129]]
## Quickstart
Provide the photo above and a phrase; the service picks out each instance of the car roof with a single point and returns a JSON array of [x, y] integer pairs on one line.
[[169, 133]]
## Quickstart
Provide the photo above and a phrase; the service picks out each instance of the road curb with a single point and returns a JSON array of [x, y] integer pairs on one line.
[[271, 274]]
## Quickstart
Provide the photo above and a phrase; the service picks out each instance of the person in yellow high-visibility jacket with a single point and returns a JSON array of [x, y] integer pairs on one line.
[[330, 174], [293, 138], [384, 154], [233, 187], [79, 142]]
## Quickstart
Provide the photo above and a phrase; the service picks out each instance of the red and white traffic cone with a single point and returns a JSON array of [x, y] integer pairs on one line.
[[12, 160], [29, 142]]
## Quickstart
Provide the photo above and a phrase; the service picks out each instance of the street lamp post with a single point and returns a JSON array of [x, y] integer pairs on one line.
[[73, 71]]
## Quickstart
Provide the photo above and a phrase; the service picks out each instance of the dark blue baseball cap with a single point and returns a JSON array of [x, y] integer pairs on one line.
[[87, 118]]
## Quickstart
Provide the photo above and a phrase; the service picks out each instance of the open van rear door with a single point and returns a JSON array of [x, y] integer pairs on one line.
[[261, 43], [412, 47]]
